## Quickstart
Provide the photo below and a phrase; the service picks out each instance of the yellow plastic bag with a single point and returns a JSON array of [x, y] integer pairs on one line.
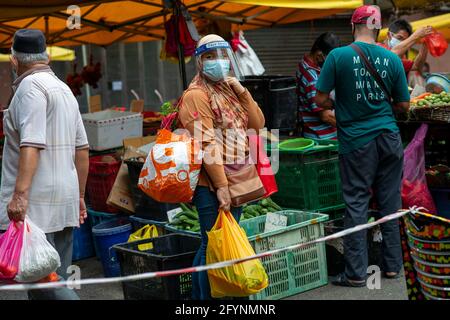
[[146, 232], [228, 241]]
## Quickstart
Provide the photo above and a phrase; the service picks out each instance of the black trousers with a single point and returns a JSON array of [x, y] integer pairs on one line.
[[377, 165]]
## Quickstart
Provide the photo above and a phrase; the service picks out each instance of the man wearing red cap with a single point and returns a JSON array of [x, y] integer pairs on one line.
[[370, 146]]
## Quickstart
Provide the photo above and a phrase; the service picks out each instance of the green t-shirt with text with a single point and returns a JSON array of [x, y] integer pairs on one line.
[[362, 110]]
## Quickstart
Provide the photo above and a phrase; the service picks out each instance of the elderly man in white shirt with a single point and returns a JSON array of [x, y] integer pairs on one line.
[[46, 154]]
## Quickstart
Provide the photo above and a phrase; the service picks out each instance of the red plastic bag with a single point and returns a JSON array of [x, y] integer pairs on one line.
[[436, 43], [184, 36], [262, 164], [414, 187], [10, 249]]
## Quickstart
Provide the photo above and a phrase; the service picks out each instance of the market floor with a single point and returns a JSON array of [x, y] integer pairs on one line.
[[90, 268]]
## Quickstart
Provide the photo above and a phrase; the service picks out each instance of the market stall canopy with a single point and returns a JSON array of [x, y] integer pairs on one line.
[[418, 4], [55, 54], [440, 23], [106, 22]]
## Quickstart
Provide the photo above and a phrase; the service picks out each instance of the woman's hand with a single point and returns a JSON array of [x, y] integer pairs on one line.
[[235, 85], [224, 197]]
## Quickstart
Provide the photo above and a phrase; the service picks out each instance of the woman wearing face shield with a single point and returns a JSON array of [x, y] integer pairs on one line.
[[216, 106]]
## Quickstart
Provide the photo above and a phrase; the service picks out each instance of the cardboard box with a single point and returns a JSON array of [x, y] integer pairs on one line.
[[95, 103], [137, 106], [121, 196], [138, 142]]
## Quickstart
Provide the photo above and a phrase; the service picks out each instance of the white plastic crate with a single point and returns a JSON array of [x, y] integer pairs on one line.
[[107, 129]]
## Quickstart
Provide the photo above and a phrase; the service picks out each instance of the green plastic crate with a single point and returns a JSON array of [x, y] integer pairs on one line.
[[334, 212], [309, 179], [290, 272]]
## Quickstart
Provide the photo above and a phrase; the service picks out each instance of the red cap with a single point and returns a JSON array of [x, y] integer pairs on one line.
[[367, 14]]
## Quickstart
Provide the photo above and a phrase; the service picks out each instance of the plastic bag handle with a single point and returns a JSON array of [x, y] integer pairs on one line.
[[225, 215]]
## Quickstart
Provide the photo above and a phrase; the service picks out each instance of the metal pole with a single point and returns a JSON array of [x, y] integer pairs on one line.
[[181, 61], [141, 63], [85, 63], [123, 73], [104, 81], [47, 32]]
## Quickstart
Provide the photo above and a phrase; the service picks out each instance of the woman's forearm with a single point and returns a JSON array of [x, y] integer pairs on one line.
[[255, 115]]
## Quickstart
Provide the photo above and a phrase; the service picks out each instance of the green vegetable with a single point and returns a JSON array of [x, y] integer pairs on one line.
[[273, 204], [167, 108], [188, 221], [247, 215], [253, 210], [264, 203], [260, 210], [192, 214], [176, 221]]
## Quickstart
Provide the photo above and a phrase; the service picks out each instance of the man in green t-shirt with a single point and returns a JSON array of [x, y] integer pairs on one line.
[[370, 146]]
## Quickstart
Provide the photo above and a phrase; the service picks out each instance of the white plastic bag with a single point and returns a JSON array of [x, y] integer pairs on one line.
[[249, 62], [38, 258]]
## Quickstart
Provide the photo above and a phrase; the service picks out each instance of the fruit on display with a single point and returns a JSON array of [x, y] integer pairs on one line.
[[431, 100], [438, 176]]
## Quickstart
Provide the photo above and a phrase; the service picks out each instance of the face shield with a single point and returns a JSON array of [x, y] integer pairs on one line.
[[216, 61]]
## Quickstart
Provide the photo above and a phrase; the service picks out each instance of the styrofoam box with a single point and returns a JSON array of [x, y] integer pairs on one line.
[[107, 129]]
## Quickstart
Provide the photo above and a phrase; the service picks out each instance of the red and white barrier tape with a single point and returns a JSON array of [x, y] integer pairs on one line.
[[149, 275]]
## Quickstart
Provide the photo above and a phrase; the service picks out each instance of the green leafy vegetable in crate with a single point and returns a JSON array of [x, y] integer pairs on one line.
[[261, 208], [187, 219]]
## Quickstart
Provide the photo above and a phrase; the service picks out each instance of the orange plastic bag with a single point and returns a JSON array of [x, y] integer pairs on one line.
[[170, 173], [436, 43], [228, 241]]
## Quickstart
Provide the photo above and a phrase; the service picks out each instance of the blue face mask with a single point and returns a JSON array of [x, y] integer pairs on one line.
[[394, 42], [216, 70]]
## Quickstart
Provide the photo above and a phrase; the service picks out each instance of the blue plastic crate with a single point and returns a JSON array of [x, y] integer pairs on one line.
[[97, 217], [106, 235], [83, 244]]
